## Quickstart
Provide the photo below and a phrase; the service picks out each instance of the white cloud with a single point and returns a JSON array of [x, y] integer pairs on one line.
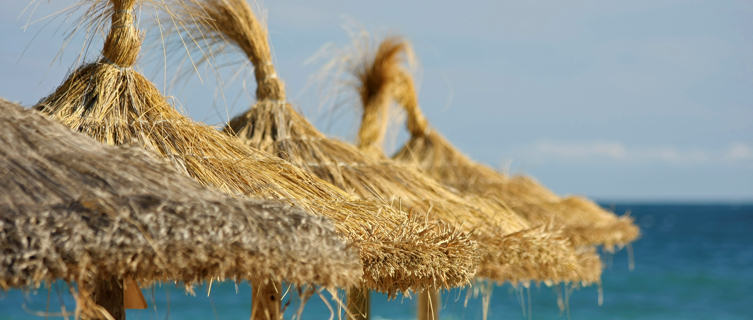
[[580, 149], [672, 155], [739, 152], [615, 151]]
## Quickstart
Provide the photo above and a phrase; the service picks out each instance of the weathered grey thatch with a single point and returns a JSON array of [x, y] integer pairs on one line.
[[74, 209]]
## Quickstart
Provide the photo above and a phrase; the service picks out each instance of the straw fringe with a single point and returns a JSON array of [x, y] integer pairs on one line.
[[119, 106], [72, 209], [602, 228], [521, 260]]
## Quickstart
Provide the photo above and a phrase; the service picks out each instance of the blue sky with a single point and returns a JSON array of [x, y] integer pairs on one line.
[[618, 100]]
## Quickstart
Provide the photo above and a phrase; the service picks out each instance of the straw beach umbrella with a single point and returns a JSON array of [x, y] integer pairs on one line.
[[273, 125], [583, 221], [111, 102], [374, 76], [77, 210]]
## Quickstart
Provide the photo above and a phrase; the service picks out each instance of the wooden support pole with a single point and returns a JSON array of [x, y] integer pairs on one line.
[[108, 293], [359, 304], [428, 305], [265, 300]]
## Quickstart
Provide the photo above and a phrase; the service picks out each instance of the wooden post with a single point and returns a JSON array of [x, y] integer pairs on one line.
[[265, 300], [108, 293], [428, 305], [359, 304]]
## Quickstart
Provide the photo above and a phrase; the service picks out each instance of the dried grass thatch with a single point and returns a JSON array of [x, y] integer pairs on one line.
[[80, 211], [584, 222], [378, 77], [273, 125], [111, 102]]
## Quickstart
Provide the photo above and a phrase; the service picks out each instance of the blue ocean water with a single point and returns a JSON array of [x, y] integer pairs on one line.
[[692, 262]]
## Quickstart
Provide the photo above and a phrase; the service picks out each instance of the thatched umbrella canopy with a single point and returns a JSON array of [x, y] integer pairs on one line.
[[510, 251], [376, 86], [583, 221], [77, 210], [113, 103], [374, 76]]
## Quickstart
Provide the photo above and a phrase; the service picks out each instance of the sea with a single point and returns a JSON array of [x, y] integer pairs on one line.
[[693, 261]]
